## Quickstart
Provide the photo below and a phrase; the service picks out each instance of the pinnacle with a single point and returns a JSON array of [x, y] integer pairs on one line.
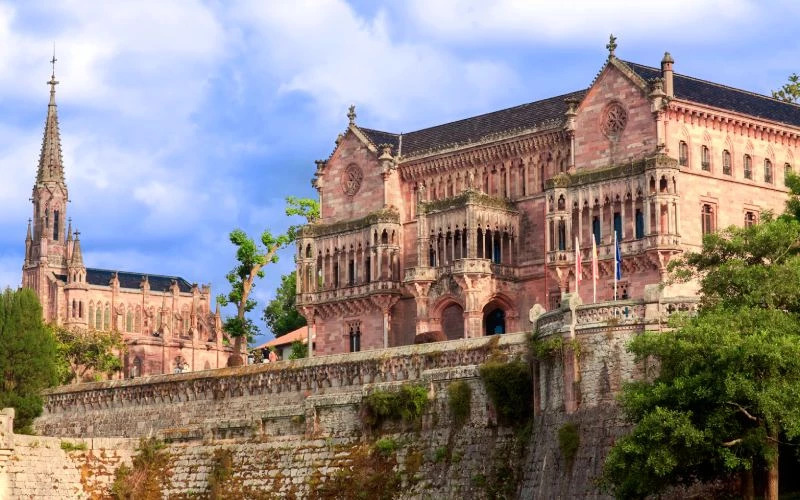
[[51, 168]]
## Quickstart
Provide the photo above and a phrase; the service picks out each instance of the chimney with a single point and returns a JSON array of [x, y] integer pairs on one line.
[[666, 73]]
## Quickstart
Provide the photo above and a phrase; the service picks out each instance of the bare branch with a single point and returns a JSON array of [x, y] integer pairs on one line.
[[734, 442], [743, 410]]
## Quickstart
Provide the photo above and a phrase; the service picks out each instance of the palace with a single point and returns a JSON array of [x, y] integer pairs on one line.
[[457, 230], [165, 321]]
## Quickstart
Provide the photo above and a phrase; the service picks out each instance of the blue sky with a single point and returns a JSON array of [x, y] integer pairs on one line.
[[181, 120]]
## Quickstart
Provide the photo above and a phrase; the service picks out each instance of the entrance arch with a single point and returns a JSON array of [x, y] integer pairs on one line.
[[494, 321], [453, 321]]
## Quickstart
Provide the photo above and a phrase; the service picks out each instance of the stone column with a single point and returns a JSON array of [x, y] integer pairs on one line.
[[677, 218], [646, 207], [622, 215]]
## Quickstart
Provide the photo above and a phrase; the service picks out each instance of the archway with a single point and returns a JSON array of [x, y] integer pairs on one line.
[[494, 321], [453, 322]]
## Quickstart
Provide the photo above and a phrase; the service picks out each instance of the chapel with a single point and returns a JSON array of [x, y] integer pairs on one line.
[[165, 321], [458, 230]]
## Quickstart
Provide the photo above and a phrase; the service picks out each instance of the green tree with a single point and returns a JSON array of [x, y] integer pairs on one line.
[[28, 356], [728, 388], [88, 354], [299, 350], [280, 315], [790, 92], [251, 258]]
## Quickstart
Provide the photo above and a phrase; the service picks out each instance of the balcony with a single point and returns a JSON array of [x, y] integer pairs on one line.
[[350, 292], [606, 251], [461, 266]]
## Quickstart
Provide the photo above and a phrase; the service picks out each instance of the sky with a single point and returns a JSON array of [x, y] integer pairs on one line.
[[183, 120]]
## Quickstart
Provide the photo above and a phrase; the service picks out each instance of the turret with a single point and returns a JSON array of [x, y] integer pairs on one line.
[[666, 74]]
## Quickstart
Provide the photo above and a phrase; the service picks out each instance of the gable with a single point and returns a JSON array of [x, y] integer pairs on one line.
[[615, 98]]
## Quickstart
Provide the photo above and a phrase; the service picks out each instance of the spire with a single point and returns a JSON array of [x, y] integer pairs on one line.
[[28, 237], [51, 167], [77, 257], [69, 230]]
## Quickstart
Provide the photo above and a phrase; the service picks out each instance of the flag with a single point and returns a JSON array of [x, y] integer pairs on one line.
[[594, 269], [617, 258]]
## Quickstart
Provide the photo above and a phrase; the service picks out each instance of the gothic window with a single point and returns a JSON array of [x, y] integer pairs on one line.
[[561, 203], [787, 169], [99, 317], [46, 217], [336, 275], [596, 229], [107, 318], [74, 308], [748, 167], [80, 309], [129, 322], [308, 250], [562, 235], [368, 269], [683, 153], [705, 159], [136, 367], [707, 219], [618, 225], [351, 272], [496, 257], [355, 336], [91, 315], [138, 321], [55, 225], [726, 162], [749, 218], [639, 224], [767, 171]]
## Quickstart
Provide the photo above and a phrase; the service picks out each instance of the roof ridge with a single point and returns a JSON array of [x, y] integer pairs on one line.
[[379, 131], [149, 275], [721, 85]]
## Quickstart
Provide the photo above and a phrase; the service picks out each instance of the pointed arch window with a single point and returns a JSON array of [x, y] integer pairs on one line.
[[705, 159], [355, 336], [726, 162], [748, 167], [129, 322], [767, 171], [683, 154], [55, 225], [787, 171], [107, 318], [98, 325], [91, 316], [708, 221]]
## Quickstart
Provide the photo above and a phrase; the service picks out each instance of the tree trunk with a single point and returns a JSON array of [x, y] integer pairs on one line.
[[748, 491], [235, 359], [771, 490]]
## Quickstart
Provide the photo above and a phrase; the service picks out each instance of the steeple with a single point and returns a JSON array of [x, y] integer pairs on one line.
[[51, 168], [77, 256]]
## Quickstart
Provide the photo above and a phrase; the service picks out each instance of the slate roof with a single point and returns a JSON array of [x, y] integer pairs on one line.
[[158, 283], [720, 96], [471, 130]]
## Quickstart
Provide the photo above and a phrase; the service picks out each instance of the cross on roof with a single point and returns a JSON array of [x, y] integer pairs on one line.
[[612, 44], [77, 234]]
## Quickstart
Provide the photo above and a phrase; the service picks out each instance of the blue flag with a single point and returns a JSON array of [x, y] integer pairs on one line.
[[617, 257]]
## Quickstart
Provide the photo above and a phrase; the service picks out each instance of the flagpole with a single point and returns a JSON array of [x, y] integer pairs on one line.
[[594, 269], [616, 263]]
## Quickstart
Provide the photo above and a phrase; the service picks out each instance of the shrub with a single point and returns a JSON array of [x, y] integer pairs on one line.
[[221, 473], [144, 480], [459, 396], [385, 446], [568, 441], [299, 350], [70, 446], [406, 404], [509, 386], [441, 454]]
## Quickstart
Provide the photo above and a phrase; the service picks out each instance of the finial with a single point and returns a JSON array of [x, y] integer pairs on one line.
[[53, 82], [78, 235], [611, 45], [667, 58], [351, 114]]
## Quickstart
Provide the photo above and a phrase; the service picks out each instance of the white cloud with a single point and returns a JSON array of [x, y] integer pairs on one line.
[[577, 21]]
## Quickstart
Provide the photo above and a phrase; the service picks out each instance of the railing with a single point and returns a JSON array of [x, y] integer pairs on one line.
[[606, 250], [349, 291], [460, 266]]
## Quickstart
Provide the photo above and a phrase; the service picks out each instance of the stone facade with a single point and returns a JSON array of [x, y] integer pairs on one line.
[[455, 231], [165, 321], [291, 426]]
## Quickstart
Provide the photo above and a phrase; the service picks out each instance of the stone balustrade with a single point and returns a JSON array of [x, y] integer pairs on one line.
[[349, 292]]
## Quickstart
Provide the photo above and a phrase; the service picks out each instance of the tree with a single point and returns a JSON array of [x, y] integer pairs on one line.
[[87, 354], [280, 315], [299, 350], [790, 92], [28, 356], [252, 258], [728, 388]]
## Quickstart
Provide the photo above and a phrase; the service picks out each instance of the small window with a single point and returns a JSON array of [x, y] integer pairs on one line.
[[639, 224], [562, 236], [707, 219], [596, 230], [705, 159], [355, 337], [749, 219], [748, 167], [683, 153], [787, 171], [767, 171], [726, 162]]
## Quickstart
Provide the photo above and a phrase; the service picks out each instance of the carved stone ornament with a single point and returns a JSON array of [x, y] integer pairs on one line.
[[351, 179], [613, 120]]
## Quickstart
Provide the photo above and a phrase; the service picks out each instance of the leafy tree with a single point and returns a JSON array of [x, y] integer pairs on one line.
[[299, 350], [280, 315], [728, 389], [790, 92], [28, 356], [252, 257], [87, 354]]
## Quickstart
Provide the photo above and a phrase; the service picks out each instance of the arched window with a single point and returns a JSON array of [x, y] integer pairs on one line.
[[355, 336], [749, 219], [495, 322], [74, 308], [639, 224], [787, 170], [107, 318], [683, 153], [705, 159], [308, 250], [80, 309], [726, 162], [767, 171], [748, 167], [596, 229], [137, 320], [136, 367], [55, 225], [99, 317], [562, 235], [91, 315], [707, 219], [129, 322]]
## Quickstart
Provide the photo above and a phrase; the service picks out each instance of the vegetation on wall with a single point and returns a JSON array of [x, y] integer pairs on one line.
[[28, 356], [553, 347], [145, 479], [251, 258], [407, 404], [459, 399], [728, 391], [281, 315], [509, 386], [369, 474], [568, 441]]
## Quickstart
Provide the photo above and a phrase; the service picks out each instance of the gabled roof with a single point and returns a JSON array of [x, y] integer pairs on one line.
[[545, 113], [299, 335], [720, 96], [103, 277]]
